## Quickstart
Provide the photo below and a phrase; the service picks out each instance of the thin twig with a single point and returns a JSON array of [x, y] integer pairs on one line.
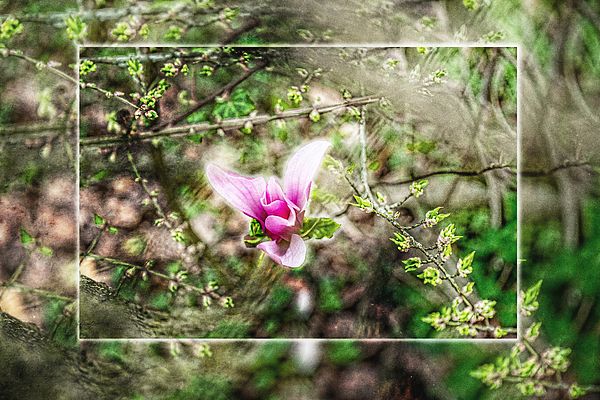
[[211, 97], [119, 263], [386, 214], [151, 195], [50, 68], [40, 292], [94, 242], [362, 133], [26, 129], [492, 167], [566, 165], [38, 64], [108, 94], [15, 275]]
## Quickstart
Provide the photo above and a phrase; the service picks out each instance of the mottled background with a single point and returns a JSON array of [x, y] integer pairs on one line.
[[559, 43]]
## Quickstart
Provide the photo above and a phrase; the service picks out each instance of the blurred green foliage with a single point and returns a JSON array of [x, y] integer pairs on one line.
[[330, 299], [572, 276], [270, 364], [343, 352], [60, 320], [213, 387], [112, 351], [230, 329], [277, 312]]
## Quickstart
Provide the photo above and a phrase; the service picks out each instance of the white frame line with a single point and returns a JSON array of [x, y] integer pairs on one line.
[[350, 45]]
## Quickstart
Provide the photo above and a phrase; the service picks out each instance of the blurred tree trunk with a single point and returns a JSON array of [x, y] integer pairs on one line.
[[34, 367]]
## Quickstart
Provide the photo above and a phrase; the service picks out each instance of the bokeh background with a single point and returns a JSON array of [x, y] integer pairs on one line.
[[559, 95]]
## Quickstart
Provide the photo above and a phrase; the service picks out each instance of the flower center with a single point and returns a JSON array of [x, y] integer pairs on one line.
[[279, 208]]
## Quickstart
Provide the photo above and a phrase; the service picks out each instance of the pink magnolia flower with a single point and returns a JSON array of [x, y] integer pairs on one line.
[[279, 210]]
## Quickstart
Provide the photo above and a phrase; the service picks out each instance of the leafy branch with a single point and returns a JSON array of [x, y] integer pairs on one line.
[[175, 281], [465, 316], [534, 370]]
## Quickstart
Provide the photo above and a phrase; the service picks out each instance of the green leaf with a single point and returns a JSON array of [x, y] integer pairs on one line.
[[471, 4], [98, 176], [228, 302], [76, 28], [361, 203], [468, 288], [46, 251], [314, 116], [433, 217], [174, 33], [144, 31], [423, 147], [26, 238], [98, 220], [239, 105], [87, 67], [319, 228], [417, 187], [9, 28], [197, 117], [169, 69], [135, 68], [533, 331], [431, 276], [255, 234], [294, 95], [123, 32], [576, 391], [401, 241], [412, 264], [529, 299], [465, 265], [255, 228]]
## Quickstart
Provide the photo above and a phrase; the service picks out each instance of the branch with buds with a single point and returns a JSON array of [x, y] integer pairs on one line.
[[533, 369], [465, 316]]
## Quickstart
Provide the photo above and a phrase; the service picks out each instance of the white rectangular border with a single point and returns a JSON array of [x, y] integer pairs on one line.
[[411, 44]]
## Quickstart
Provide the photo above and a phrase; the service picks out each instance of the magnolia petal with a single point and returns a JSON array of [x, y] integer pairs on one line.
[[278, 207], [243, 193], [278, 227], [289, 254], [301, 170], [273, 192]]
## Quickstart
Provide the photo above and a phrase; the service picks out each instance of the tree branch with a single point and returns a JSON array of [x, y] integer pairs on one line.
[[405, 181], [492, 167], [26, 129], [233, 123], [565, 165], [111, 14]]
